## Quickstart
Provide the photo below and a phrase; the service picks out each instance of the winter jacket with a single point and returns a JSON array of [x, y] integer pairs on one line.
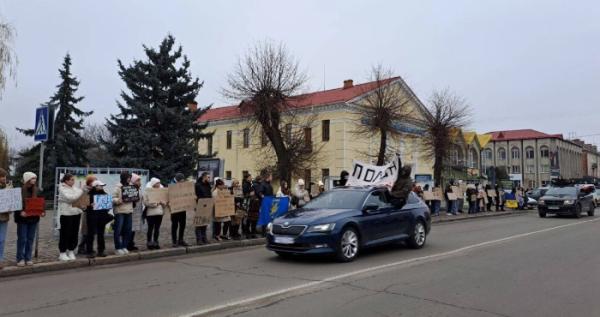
[[5, 216], [26, 193], [68, 195], [119, 206], [300, 197], [153, 209], [246, 188], [203, 190], [265, 189]]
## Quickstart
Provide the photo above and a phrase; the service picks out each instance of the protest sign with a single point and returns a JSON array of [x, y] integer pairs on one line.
[[462, 187], [34, 206], [367, 174], [271, 208], [83, 202], [182, 197], [437, 194], [456, 191], [130, 194], [452, 196], [103, 202], [203, 214], [224, 206], [10, 200], [157, 195], [491, 193], [427, 195]]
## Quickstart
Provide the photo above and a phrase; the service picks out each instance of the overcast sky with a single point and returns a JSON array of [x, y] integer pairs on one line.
[[520, 64]]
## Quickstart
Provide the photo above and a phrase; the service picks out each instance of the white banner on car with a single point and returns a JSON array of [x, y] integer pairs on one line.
[[373, 175]]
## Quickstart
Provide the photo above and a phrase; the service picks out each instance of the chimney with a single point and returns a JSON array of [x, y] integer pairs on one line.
[[348, 83]]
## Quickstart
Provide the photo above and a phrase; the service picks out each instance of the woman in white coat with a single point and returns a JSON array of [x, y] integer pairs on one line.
[[70, 217], [154, 215]]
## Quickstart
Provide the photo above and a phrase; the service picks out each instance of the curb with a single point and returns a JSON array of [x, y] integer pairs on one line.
[[115, 259], [155, 254]]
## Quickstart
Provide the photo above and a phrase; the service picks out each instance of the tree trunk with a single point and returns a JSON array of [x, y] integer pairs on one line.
[[382, 147], [437, 170]]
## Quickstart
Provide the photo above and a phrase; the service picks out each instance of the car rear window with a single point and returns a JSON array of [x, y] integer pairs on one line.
[[562, 191], [342, 199]]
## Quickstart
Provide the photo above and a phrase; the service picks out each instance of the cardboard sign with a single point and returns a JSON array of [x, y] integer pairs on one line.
[[237, 192], [156, 195], [491, 193], [463, 187], [457, 191], [437, 194], [34, 206], [182, 197], [224, 206], [203, 214], [130, 194], [103, 202], [83, 202], [10, 200], [452, 196], [427, 195]]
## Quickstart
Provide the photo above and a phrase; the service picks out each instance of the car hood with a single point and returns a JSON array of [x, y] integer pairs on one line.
[[558, 197], [315, 216]]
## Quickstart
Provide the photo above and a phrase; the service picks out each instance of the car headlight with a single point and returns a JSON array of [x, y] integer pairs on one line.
[[322, 228], [569, 202], [270, 228], [541, 202]]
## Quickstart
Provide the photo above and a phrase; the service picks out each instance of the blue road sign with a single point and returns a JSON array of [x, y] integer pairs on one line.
[[42, 124]]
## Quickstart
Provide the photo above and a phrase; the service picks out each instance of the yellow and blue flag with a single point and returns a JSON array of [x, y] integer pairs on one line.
[[271, 208]]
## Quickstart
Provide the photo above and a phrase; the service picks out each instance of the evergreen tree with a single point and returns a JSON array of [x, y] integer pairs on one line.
[[155, 129], [67, 146]]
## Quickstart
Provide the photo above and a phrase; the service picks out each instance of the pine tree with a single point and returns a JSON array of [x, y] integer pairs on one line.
[[67, 146], [155, 129]]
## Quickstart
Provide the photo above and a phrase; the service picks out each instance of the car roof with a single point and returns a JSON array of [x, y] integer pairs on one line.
[[358, 188]]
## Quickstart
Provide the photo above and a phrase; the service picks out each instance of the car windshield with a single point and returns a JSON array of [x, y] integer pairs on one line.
[[562, 191], [338, 199]]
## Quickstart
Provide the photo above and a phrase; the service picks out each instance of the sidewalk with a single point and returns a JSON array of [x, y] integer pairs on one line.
[[48, 245]]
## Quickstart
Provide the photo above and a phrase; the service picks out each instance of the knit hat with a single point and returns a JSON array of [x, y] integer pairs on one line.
[[153, 182], [27, 176], [134, 178], [179, 177]]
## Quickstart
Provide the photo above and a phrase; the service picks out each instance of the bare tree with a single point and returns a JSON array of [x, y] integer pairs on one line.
[[382, 109], [8, 55], [268, 81], [448, 113], [98, 136], [4, 151]]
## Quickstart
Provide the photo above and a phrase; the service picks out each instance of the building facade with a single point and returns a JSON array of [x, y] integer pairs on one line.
[[241, 145]]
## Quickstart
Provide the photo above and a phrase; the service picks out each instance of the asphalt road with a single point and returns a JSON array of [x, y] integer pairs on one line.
[[503, 266]]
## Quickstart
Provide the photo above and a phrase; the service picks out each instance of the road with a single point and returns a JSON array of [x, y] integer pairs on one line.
[[502, 266]]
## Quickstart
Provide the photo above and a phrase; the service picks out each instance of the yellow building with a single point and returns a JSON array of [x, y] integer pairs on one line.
[[237, 143]]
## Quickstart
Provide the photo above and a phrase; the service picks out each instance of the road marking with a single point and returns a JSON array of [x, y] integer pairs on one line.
[[426, 258]]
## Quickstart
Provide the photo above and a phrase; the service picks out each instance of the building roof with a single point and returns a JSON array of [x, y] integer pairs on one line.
[[484, 139], [318, 98], [469, 136], [523, 134]]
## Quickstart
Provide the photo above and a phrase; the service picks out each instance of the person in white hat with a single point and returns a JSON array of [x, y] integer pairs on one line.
[[26, 224], [154, 215], [300, 195]]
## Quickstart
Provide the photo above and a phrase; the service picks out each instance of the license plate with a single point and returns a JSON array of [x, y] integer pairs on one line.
[[553, 207], [284, 240]]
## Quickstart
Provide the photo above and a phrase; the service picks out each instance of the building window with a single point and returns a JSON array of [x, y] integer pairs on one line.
[[544, 152], [308, 139], [324, 173], [209, 145], [530, 169], [264, 140], [515, 154], [228, 175], [502, 154], [229, 136], [545, 168], [325, 130], [516, 169], [246, 138], [529, 153]]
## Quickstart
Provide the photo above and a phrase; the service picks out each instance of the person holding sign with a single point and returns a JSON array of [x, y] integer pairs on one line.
[[203, 191], [27, 223], [4, 218], [138, 209], [154, 215], [236, 221], [96, 221], [70, 217], [300, 196], [178, 218], [220, 222], [123, 211]]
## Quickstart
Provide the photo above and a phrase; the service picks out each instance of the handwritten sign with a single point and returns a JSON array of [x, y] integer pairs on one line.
[[103, 202], [34, 206], [203, 214], [437, 194], [427, 195], [224, 206], [10, 200], [491, 193], [156, 195], [130, 194], [182, 197], [452, 196], [456, 191]]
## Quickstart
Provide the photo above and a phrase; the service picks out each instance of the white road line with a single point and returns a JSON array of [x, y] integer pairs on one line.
[[431, 257]]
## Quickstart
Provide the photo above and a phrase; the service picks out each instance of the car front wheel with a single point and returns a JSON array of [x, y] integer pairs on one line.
[[348, 246], [592, 210], [578, 211], [418, 237], [542, 214]]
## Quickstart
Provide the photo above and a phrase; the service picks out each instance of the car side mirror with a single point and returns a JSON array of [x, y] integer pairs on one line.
[[370, 207]]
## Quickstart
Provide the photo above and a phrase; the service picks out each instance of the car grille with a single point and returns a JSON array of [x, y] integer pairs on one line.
[[554, 202], [288, 231]]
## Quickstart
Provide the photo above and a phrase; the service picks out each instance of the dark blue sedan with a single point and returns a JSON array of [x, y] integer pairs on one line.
[[345, 220]]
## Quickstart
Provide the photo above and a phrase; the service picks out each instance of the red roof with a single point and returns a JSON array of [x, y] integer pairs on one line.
[[319, 98], [521, 134]]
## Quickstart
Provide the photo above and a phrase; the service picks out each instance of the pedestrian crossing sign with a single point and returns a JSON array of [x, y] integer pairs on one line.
[[41, 130]]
